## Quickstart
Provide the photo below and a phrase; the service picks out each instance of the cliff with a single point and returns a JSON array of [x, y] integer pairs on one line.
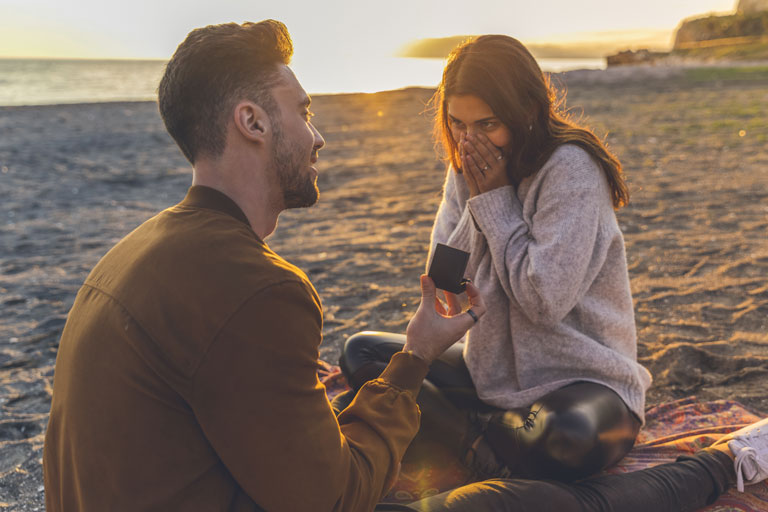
[[692, 32], [735, 37], [740, 36]]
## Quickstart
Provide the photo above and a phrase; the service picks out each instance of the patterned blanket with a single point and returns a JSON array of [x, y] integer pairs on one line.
[[682, 426]]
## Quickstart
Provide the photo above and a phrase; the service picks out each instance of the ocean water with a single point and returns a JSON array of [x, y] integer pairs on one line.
[[54, 81], [46, 82]]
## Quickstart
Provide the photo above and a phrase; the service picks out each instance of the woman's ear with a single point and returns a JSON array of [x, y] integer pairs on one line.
[[251, 121]]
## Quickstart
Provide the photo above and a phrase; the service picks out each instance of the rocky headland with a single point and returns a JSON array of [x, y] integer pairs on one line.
[[711, 39]]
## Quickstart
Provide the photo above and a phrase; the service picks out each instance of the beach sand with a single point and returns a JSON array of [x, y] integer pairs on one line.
[[75, 179]]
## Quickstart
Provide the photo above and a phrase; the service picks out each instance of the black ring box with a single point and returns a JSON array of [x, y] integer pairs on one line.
[[447, 268]]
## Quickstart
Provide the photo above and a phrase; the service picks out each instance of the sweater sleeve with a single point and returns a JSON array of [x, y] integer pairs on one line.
[[259, 402], [453, 224], [546, 266]]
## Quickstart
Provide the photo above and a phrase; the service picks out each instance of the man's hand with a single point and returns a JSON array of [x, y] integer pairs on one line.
[[433, 329]]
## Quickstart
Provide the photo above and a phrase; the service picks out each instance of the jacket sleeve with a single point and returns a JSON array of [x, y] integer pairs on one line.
[[549, 265], [259, 402], [453, 224]]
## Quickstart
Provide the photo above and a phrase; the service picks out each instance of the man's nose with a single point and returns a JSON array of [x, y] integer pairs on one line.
[[319, 140]]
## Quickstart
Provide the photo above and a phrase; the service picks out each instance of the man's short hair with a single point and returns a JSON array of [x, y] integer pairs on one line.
[[211, 71]]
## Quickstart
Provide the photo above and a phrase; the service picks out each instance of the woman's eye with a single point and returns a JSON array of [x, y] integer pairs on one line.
[[489, 125]]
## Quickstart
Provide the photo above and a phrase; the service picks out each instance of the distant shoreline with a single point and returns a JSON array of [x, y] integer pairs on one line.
[[28, 82], [661, 70]]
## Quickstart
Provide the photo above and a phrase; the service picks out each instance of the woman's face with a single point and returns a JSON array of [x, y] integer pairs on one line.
[[468, 114]]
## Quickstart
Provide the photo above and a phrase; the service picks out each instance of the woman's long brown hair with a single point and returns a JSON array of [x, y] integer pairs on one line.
[[501, 71]]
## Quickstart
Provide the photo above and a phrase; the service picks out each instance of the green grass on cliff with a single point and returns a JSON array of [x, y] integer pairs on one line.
[[747, 51], [711, 74]]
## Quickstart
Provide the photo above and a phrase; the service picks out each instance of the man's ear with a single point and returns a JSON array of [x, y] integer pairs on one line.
[[251, 121]]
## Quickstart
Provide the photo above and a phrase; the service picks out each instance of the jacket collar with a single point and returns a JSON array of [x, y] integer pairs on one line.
[[209, 198]]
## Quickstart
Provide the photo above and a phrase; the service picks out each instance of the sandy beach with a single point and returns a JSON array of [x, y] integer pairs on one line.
[[74, 179]]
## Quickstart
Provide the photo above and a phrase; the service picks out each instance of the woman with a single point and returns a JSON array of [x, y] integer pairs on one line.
[[531, 196]]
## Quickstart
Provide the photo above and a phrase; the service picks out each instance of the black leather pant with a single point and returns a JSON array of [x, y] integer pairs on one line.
[[570, 433]]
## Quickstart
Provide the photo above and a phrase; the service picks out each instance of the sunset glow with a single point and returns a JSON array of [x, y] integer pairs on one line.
[[146, 29], [347, 39]]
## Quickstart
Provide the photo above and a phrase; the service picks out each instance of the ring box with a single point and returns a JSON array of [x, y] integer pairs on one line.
[[447, 268]]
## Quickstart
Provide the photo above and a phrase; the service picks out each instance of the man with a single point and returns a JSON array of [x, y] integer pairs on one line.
[[186, 377]]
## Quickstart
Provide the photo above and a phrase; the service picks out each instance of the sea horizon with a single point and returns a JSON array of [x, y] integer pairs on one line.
[[54, 81]]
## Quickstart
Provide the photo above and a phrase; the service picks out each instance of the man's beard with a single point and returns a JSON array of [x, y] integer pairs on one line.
[[299, 188]]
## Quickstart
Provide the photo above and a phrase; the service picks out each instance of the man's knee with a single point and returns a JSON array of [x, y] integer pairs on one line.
[[501, 495]]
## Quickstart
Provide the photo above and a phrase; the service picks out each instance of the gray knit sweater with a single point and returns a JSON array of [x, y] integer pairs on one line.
[[549, 260]]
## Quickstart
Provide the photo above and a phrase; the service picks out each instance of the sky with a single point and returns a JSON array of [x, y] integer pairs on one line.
[[344, 28], [347, 36]]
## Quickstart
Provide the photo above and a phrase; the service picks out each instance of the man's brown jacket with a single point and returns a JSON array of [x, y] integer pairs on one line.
[[186, 379]]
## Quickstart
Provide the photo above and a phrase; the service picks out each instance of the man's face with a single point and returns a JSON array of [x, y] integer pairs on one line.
[[295, 143]]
